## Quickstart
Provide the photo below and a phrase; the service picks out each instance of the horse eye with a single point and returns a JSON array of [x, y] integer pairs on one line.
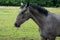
[[23, 12]]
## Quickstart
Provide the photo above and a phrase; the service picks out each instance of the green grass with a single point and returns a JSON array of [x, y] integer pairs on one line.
[[27, 31]]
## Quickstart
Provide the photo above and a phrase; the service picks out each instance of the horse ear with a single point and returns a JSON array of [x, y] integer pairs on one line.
[[22, 4], [27, 4]]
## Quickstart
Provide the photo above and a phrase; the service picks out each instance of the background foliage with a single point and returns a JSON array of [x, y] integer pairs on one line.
[[48, 3]]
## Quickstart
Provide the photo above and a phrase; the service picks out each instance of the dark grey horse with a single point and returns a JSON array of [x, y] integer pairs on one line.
[[49, 23]]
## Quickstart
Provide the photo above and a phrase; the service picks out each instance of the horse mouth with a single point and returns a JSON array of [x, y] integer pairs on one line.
[[17, 25]]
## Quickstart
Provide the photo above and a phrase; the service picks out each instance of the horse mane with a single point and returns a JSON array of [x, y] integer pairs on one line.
[[40, 9]]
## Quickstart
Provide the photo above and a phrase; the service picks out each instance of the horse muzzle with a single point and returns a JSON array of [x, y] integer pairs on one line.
[[17, 25]]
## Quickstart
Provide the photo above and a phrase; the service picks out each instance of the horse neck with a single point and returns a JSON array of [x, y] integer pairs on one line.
[[38, 18]]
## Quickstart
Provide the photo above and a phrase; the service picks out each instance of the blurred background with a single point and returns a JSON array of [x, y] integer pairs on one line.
[[47, 3], [28, 30]]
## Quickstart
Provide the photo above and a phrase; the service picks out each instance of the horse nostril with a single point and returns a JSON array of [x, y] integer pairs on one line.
[[16, 25]]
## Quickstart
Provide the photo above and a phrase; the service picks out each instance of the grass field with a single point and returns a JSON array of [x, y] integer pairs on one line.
[[27, 31]]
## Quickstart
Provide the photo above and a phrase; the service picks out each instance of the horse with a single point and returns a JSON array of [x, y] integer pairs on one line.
[[48, 22]]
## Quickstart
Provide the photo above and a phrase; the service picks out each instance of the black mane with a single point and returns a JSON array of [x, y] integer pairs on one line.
[[39, 8]]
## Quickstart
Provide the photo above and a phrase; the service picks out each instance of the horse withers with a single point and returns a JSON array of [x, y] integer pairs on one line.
[[49, 23]]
